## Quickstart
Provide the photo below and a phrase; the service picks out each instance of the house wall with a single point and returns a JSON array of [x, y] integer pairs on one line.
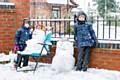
[[7, 28], [22, 10], [10, 21], [41, 9]]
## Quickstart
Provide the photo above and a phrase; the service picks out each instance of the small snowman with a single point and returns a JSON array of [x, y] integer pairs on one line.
[[63, 60]]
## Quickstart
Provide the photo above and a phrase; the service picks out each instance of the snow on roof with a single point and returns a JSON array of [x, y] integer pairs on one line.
[[4, 57], [6, 3], [75, 9], [59, 1]]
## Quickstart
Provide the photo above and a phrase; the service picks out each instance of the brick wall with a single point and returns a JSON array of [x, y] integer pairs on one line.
[[7, 28], [44, 9], [22, 10], [105, 58], [100, 58], [10, 21]]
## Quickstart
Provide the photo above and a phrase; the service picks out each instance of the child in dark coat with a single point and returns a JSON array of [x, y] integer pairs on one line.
[[22, 35], [85, 38]]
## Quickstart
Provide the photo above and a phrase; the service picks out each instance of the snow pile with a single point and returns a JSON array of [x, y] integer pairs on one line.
[[4, 57], [63, 60], [44, 72], [12, 56]]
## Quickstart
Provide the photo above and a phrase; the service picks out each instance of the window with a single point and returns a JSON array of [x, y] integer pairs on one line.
[[94, 4], [4, 0], [94, 0], [56, 12], [6, 4]]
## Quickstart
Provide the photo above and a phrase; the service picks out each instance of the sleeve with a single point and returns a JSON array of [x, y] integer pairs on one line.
[[92, 33], [31, 33], [17, 36], [75, 33], [75, 18]]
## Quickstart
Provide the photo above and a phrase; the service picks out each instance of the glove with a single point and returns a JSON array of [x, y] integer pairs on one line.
[[15, 48], [75, 39], [95, 44]]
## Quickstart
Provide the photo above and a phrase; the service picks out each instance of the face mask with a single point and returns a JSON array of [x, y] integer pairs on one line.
[[27, 25]]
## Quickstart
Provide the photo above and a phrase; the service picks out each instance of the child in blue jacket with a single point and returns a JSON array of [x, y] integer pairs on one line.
[[22, 35], [85, 38]]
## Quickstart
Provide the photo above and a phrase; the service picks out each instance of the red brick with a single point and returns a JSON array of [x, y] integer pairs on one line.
[[100, 58], [11, 20]]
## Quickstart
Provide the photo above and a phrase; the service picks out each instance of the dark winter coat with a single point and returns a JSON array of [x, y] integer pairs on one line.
[[84, 34], [21, 36]]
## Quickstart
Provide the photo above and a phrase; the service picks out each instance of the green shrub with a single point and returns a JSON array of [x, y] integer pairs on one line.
[[70, 29]]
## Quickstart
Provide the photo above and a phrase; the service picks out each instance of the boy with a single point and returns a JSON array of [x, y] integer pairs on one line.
[[21, 36], [85, 38]]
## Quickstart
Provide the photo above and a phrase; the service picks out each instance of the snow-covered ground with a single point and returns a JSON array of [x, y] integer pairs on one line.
[[45, 72]]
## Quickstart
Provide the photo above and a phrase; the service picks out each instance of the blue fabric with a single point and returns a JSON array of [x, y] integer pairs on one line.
[[83, 58], [84, 34], [38, 54], [48, 37], [48, 40], [21, 36]]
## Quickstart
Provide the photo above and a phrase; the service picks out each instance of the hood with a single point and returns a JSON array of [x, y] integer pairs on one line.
[[81, 13]]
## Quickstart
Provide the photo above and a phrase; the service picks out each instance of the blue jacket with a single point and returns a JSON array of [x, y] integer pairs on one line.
[[84, 34], [21, 36]]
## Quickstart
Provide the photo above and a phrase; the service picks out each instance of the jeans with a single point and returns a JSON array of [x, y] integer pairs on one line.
[[83, 58], [21, 58], [24, 58]]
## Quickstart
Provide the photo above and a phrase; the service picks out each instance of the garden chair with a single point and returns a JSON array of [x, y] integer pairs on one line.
[[46, 46]]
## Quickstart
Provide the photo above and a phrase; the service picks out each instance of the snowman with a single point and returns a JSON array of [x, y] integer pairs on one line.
[[63, 60]]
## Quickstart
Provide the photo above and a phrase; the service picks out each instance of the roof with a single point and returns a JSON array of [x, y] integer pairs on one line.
[[61, 2], [6, 3], [57, 1]]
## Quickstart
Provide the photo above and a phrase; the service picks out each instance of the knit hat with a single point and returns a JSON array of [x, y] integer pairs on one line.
[[26, 20]]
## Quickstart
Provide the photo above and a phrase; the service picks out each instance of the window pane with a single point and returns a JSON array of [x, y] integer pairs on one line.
[[56, 12], [6, 4]]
